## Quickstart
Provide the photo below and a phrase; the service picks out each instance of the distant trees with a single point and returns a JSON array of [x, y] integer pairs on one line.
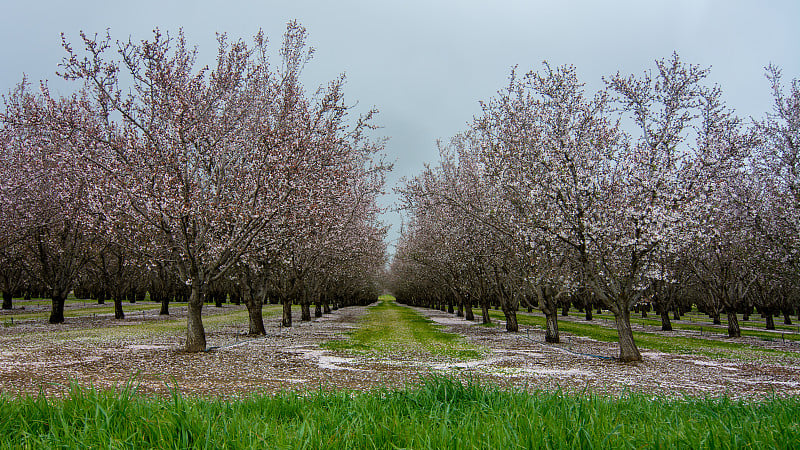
[[634, 196], [202, 173]]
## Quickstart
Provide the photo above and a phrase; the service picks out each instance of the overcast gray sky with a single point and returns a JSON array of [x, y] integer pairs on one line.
[[426, 64]]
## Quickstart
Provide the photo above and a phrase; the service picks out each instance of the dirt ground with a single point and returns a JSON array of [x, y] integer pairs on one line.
[[38, 357]]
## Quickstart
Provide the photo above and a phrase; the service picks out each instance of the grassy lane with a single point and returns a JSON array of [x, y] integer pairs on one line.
[[439, 414], [149, 328], [788, 332], [107, 308], [391, 328], [658, 342]]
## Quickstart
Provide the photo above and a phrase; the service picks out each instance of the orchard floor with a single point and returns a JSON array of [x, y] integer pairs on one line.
[[145, 350]]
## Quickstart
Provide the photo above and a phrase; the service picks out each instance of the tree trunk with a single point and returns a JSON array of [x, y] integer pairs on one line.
[[468, 314], [287, 313], [57, 311], [565, 310], [164, 306], [627, 346], [666, 325], [256, 319], [118, 313], [326, 307], [460, 309], [644, 312], [588, 316], [770, 322], [485, 312], [8, 300], [746, 317], [676, 315], [786, 319], [195, 333], [450, 307], [511, 320], [551, 331], [305, 311], [318, 309], [716, 319], [733, 325]]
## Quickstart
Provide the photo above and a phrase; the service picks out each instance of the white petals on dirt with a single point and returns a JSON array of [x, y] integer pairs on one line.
[[291, 359]]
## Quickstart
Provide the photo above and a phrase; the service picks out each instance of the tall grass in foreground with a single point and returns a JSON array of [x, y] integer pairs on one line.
[[441, 413]]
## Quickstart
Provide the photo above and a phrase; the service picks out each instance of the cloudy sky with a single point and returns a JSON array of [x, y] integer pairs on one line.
[[426, 64]]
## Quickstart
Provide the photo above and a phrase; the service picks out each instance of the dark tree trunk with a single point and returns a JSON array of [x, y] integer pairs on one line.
[[770, 321], [195, 333], [460, 310], [287, 313], [318, 309], [716, 319], [666, 325], [305, 311], [511, 320], [485, 312], [326, 307], [588, 313], [565, 310], [118, 313], [644, 313], [164, 306], [746, 317], [676, 315], [57, 311], [218, 300], [786, 319], [627, 346], [8, 300], [450, 307], [255, 317], [733, 325], [551, 330], [468, 314]]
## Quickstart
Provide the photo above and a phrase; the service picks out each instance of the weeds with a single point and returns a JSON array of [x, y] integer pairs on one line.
[[440, 413]]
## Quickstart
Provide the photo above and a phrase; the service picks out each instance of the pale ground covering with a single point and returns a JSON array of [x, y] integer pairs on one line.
[[146, 350]]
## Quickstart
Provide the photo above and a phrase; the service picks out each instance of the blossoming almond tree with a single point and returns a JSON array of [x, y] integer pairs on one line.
[[206, 157], [48, 191]]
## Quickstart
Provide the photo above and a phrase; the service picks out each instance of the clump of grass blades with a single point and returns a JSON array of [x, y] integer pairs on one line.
[[440, 413]]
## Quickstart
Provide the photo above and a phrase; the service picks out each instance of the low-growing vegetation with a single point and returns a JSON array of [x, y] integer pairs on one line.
[[392, 328], [441, 413]]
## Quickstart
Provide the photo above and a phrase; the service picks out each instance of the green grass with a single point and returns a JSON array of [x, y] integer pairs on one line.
[[788, 332], [657, 342], [69, 311], [153, 328], [390, 328], [441, 413]]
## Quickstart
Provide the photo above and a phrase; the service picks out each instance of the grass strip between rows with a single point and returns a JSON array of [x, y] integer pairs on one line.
[[389, 328], [658, 342]]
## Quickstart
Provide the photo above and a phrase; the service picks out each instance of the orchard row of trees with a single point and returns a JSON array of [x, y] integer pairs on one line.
[[190, 181], [650, 193]]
